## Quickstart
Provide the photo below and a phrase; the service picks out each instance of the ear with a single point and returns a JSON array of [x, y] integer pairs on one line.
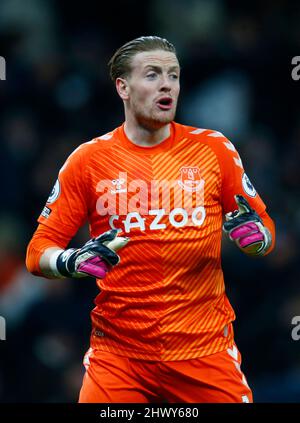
[[122, 88]]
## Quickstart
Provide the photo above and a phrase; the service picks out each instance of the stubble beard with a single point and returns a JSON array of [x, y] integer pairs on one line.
[[154, 120]]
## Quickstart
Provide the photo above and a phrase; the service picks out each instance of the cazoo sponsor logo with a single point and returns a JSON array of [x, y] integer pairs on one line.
[[153, 205]]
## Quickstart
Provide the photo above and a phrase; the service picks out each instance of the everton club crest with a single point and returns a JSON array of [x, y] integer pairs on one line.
[[190, 179]]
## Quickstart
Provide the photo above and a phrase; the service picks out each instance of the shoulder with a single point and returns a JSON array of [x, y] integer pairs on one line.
[[203, 135], [81, 156], [86, 150], [100, 142], [214, 139]]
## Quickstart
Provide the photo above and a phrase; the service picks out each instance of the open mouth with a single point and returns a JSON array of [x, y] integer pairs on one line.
[[165, 103]]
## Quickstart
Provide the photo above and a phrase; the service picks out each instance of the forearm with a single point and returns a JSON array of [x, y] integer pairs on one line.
[[48, 258], [44, 244], [268, 223], [40, 259], [47, 262]]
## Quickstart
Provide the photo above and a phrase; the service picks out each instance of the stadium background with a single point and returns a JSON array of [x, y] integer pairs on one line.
[[236, 78]]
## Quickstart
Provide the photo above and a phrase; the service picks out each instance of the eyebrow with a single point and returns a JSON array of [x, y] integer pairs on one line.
[[158, 68]]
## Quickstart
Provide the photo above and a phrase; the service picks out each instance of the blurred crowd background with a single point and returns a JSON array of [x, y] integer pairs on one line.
[[236, 78]]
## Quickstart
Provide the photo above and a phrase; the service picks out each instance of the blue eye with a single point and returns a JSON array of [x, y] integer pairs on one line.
[[151, 75]]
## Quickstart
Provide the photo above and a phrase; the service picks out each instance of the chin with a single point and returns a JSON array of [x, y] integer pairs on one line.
[[165, 118], [157, 120], [159, 123]]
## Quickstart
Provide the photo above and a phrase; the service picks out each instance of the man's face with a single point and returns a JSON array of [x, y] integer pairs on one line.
[[153, 88]]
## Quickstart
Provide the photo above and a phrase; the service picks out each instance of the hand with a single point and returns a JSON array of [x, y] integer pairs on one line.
[[95, 258], [246, 229]]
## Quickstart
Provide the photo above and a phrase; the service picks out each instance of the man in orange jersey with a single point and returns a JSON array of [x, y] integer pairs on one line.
[[162, 325]]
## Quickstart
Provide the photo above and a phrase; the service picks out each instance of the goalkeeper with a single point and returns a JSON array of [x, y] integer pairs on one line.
[[162, 327]]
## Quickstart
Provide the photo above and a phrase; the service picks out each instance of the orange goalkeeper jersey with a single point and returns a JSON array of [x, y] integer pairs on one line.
[[166, 299]]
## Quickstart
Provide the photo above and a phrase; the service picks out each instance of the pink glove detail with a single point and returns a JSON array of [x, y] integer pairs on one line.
[[94, 266], [247, 234], [245, 227], [243, 230], [251, 239]]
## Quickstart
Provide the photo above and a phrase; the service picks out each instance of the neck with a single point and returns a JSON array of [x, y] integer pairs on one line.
[[146, 137]]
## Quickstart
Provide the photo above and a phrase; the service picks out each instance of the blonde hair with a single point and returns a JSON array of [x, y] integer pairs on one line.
[[120, 63]]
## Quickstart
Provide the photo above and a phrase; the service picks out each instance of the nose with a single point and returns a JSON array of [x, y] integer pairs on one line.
[[165, 83]]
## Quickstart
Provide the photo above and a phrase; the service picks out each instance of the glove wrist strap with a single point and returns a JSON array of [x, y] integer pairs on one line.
[[62, 263], [53, 263], [268, 241]]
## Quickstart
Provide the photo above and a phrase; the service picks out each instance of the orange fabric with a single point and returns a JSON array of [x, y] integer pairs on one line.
[[216, 378], [268, 222], [166, 299], [43, 238]]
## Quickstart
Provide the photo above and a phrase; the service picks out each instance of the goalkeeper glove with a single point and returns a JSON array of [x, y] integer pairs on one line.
[[95, 258], [246, 229]]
